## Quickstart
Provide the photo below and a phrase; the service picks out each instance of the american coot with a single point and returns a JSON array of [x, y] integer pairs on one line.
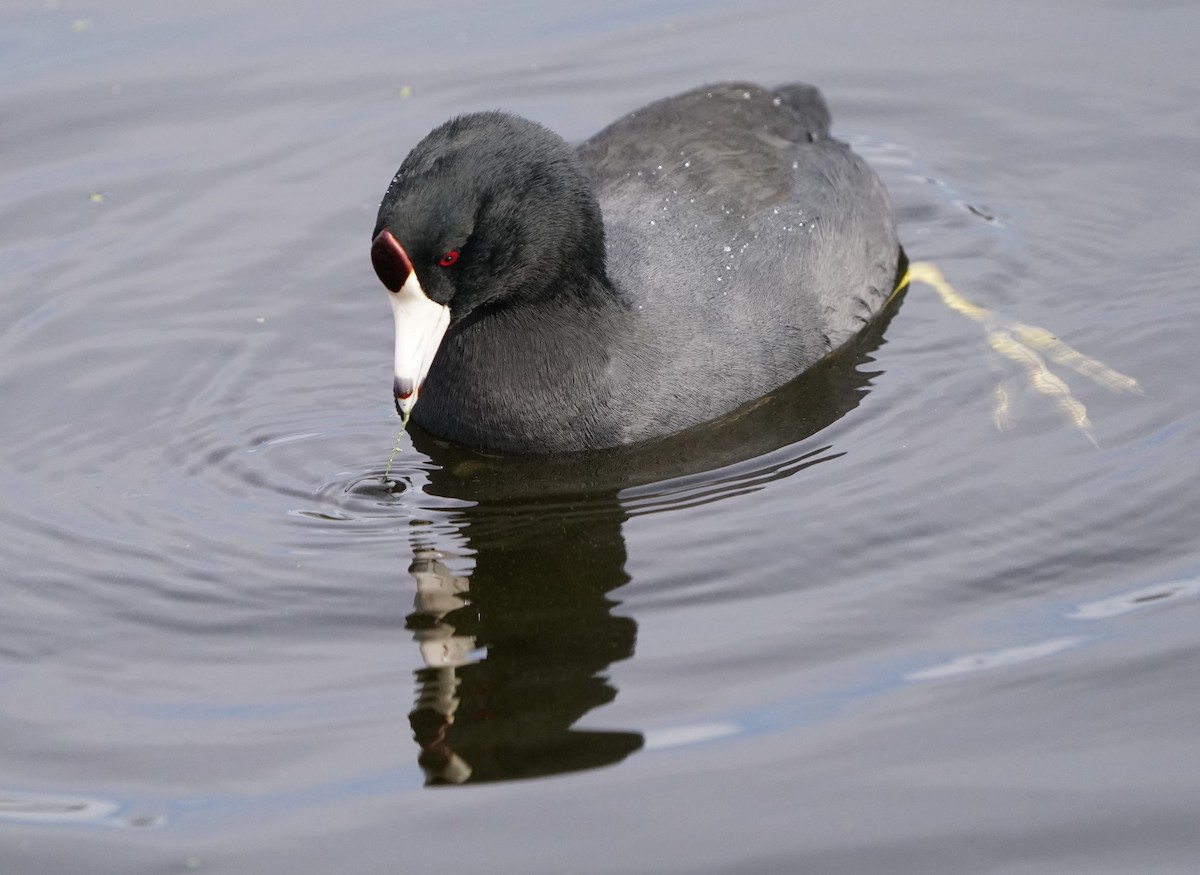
[[694, 255]]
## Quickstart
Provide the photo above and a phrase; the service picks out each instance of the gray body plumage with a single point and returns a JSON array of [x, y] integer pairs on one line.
[[742, 244]]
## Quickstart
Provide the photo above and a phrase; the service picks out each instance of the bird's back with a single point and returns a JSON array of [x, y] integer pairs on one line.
[[746, 242]]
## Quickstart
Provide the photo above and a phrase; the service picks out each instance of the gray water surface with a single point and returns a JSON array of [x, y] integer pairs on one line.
[[855, 629]]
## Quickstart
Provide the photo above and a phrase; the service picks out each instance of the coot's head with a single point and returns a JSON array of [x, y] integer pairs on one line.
[[487, 211]]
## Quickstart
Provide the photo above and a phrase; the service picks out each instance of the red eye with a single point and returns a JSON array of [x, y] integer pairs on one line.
[[449, 258]]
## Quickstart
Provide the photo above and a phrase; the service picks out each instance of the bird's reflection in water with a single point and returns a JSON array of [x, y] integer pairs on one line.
[[517, 655], [518, 648]]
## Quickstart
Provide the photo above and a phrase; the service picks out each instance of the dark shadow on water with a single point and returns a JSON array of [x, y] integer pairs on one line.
[[518, 651]]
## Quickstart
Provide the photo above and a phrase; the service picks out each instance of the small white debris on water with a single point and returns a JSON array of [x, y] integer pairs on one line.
[[1150, 596], [994, 659], [695, 733]]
